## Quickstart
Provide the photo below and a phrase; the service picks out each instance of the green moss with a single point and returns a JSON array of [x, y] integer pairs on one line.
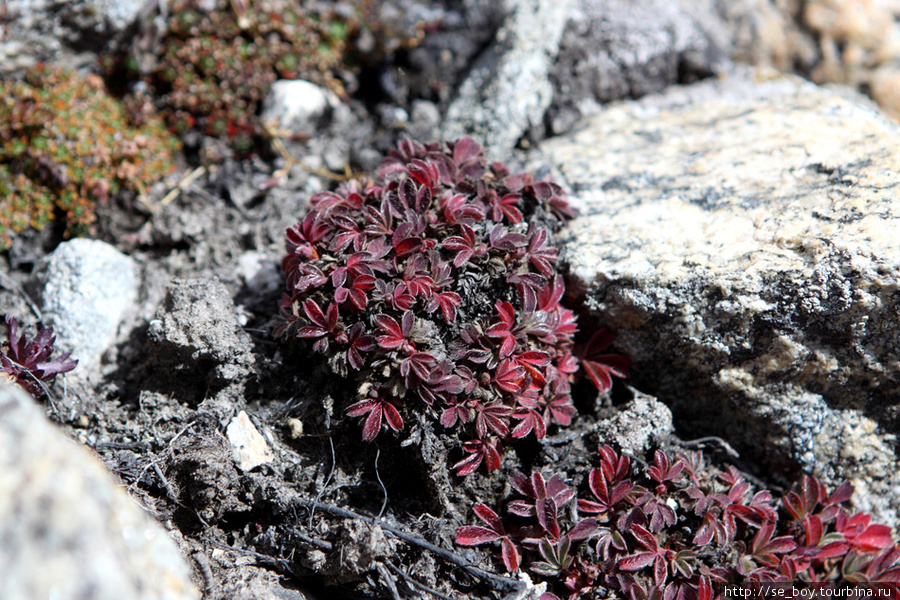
[[64, 146], [216, 66]]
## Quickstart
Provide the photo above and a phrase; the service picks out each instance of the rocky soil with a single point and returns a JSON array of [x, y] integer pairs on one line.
[[738, 232]]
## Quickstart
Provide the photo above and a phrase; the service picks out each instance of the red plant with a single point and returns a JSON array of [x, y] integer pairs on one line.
[[675, 538], [390, 275], [601, 368], [475, 535], [27, 362]]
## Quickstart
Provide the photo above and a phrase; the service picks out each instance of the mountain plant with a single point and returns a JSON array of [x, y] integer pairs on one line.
[[66, 145], [435, 287], [680, 529], [27, 363]]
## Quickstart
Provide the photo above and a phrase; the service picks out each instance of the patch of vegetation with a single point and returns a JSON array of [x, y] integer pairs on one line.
[[218, 60], [65, 145], [435, 288], [681, 529]]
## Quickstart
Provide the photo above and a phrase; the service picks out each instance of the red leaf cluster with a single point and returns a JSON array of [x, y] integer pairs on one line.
[[681, 530], [436, 285], [27, 362]]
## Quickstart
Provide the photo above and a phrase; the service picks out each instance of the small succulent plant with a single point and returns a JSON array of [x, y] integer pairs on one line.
[[27, 362], [435, 287], [218, 60], [66, 145], [680, 529]]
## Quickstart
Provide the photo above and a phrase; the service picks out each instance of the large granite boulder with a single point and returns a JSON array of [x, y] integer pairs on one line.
[[67, 530], [617, 49], [741, 235]]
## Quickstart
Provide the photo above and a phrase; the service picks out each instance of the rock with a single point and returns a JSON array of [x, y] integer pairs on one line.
[[66, 529], [616, 49], [260, 272], [508, 89], [197, 339], [314, 124], [884, 87], [435, 66], [248, 446], [60, 32], [298, 107], [202, 472], [85, 288], [741, 237], [851, 42], [641, 424], [759, 32], [425, 120], [250, 582]]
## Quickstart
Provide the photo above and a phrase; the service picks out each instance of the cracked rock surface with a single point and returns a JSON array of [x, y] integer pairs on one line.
[[740, 235]]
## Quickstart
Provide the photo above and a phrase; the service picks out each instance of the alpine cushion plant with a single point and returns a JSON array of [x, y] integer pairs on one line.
[[67, 145], [217, 60], [434, 286], [681, 530], [27, 362]]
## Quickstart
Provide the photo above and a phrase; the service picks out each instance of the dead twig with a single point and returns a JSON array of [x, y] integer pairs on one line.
[[187, 180], [154, 464], [323, 545], [497, 581], [262, 558], [388, 579], [569, 437], [327, 480], [417, 584], [289, 160], [10, 284], [700, 442], [381, 483]]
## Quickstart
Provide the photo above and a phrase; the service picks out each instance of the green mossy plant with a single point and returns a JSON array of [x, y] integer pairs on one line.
[[65, 145], [216, 64]]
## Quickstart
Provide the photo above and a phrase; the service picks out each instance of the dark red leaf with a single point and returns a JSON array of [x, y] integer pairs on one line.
[[474, 535], [636, 562], [510, 555]]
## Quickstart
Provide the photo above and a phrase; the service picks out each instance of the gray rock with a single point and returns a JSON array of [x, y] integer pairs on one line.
[[298, 107], [759, 32], [741, 236], [617, 49], [436, 65], [508, 89], [61, 32], [197, 339], [67, 531], [641, 424], [250, 582], [260, 272], [85, 288], [424, 120]]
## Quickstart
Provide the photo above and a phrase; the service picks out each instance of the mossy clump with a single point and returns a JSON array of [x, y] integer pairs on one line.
[[65, 145], [216, 63]]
